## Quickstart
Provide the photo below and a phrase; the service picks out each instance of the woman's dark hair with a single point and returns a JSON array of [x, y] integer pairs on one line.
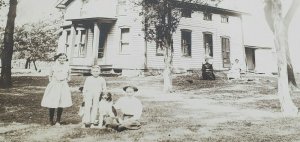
[[60, 54]]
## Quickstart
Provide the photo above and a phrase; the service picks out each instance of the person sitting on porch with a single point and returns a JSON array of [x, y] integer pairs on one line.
[[208, 71], [235, 70]]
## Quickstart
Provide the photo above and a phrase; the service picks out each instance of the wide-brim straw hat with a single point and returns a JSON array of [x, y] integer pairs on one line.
[[133, 87]]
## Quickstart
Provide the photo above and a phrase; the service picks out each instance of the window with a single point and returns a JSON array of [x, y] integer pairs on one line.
[[224, 19], [225, 52], [208, 44], [207, 16], [159, 48], [186, 13], [80, 45], [124, 42], [186, 42], [122, 8]]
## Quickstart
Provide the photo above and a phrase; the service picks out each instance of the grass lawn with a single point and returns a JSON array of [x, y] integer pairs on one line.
[[197, 110]]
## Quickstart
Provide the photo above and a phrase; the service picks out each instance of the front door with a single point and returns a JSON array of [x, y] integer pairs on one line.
[[250, 56], [104, 28]]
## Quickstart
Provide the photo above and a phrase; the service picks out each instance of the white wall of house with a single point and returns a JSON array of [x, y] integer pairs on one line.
[[265, 61], [92, 8], [127, 15], [197, 25], [134, 57]]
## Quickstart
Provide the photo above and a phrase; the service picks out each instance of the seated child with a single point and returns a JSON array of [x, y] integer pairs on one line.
[[235, 70], [128, 110]]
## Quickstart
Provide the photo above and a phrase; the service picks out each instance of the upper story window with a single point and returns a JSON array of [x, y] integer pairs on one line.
[[124, 41], [207, 16], [122, 7], [186, 13], [224, 19], [186, 43]]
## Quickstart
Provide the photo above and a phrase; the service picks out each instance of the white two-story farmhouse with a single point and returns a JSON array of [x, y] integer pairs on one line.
[[109, 33]]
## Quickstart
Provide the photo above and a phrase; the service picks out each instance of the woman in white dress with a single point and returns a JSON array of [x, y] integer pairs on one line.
[[57, 94]]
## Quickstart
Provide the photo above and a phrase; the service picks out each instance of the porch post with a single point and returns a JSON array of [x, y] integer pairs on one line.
[[77, 43], [64, 42], [61, 42], [96, 42], [71, 47]]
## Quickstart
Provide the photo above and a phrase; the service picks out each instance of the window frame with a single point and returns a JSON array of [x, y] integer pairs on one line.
[[224, 19], [187, 13], [227, 51], [207, 16], [189, 49], [121, 43], [211, 48], [159, 49]]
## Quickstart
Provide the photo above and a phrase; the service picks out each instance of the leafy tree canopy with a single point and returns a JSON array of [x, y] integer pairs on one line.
[[37, 40]]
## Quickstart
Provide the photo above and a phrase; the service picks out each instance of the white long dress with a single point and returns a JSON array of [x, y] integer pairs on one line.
[[57, 93]]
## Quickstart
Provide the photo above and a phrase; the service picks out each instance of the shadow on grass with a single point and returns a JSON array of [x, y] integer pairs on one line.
[[22, 102]]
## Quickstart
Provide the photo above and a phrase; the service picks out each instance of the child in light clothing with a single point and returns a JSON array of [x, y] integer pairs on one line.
[[235, 70], [58, 94], [93, 86], [128, 110]]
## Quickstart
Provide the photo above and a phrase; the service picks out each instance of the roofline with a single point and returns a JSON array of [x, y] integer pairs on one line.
[[63, 4], [103, 19], [201, 7], [258, 47], [210, 9]]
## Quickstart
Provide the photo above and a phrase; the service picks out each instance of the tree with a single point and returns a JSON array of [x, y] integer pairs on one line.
[[161, 19], [279, 24], [36, 41], [8, 41], [2, 3]]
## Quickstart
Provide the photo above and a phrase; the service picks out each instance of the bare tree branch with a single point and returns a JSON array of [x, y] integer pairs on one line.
[[292, 10]]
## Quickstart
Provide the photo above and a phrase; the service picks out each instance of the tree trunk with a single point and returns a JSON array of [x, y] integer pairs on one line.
[[281, 44], [27, 64], [168, 57], [7, 52]]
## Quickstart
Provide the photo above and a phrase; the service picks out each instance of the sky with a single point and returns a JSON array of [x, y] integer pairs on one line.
[[29, 11]]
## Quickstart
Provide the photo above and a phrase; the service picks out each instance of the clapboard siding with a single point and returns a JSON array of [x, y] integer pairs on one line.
[[135, 59], [94, 8], [197, 26], [126, 15]]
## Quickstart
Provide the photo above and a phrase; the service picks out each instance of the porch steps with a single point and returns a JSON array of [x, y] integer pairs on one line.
[[106, 70]]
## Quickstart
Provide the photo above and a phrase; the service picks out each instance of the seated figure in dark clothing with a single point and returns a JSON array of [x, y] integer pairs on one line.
[[208, 71]]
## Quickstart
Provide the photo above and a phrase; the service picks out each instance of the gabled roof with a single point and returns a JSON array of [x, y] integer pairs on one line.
[[198, 7], [63, 4], [208, 8]]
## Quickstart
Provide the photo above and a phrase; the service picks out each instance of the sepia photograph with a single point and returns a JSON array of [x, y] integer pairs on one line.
[[149, 70]]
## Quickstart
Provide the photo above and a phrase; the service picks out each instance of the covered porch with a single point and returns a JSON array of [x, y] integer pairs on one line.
[[84, 41]]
